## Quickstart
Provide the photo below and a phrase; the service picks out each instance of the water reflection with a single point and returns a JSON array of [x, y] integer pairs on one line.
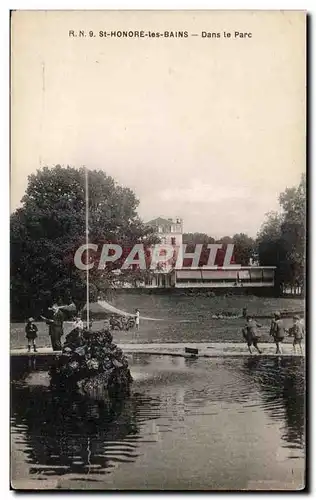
[[70, 433], [276, 385], [282, 387]]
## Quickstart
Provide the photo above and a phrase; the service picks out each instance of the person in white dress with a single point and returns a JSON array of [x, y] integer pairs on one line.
[[137, 316]]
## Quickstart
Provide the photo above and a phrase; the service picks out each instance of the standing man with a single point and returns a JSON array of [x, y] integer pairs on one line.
[[55, 327], [137, 316], [277, 331], [250, 333]]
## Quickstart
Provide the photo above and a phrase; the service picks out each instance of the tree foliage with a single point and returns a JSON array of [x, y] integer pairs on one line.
[[281, 239], [49, 227], [195, 238], [244, 247]]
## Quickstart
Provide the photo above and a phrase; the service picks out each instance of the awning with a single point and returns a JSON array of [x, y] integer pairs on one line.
[[189, 274], [111, 309], [104, 307], [256, 274], [219, 275]]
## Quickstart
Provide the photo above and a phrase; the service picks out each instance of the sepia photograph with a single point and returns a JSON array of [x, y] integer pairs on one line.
[[158, 250]]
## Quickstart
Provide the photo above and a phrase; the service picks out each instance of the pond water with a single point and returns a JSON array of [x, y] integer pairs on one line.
[[189, 424]]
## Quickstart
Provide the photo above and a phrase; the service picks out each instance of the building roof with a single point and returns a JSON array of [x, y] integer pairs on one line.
[[160, 221]]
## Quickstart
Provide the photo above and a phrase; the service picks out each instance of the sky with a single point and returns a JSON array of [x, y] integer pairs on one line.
[[207, 129]]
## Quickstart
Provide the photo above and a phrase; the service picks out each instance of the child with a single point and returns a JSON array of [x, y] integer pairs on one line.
[[31, 334], [250, 333], [277, 331], [78, 323], [297, 331]]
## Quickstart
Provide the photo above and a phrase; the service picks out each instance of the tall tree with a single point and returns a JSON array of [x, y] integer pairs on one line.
[[244, 248], [270, 246], [281, 239], [293, 205], [50, 226]]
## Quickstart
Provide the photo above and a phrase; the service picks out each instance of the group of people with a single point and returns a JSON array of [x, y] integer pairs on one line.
[[277, 331], [249, 331], [55, 324], [124, 322]]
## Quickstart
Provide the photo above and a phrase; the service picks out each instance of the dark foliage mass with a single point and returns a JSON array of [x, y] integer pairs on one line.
[[282, 238], [49, 227], [244, 248], [91, 358]]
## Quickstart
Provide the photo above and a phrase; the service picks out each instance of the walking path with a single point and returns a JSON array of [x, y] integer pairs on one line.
[[209, 350]]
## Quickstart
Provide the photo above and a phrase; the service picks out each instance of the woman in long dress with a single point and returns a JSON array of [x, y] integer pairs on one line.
[[137, 316]]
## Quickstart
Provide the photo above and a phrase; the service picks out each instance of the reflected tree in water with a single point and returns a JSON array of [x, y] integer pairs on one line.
[[73, 434], [281, 381]]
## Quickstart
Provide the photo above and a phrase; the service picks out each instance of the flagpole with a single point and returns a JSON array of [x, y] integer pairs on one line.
[[87, 242]]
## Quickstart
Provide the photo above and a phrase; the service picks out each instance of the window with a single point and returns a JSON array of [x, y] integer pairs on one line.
[[173, 241], [159, 229], [244, 275]]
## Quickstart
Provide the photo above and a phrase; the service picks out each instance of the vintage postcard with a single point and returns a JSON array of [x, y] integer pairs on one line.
[[158, 206]]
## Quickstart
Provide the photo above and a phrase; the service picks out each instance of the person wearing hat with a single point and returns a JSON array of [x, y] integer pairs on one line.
[[31, 334], [55, 327], [277, 331], [250, 333], [297, 331]]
